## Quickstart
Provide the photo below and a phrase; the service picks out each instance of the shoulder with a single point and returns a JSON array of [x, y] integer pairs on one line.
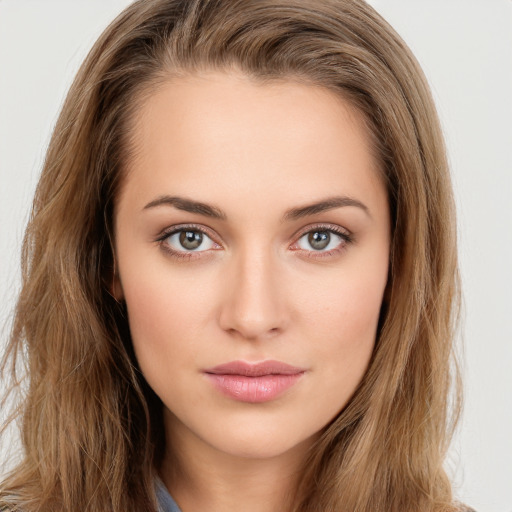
[[8, 506]]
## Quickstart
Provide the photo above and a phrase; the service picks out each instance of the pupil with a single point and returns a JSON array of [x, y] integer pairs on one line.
[[191, 239], [319, 239]]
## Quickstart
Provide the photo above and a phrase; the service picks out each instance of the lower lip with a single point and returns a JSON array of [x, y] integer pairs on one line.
[[253, 389]]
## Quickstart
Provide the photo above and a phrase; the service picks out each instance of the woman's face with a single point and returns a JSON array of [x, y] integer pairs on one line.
[[252, 241]]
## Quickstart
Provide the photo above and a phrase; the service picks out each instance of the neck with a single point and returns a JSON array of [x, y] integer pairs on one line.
[[201, 477]]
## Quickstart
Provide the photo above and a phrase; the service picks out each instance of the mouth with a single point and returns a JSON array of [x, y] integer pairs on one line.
[[254, 382]]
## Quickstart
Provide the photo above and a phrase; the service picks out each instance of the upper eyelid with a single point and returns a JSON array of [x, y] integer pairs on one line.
[[322, 226], [167, 232]]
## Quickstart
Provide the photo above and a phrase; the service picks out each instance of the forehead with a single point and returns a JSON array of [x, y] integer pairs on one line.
[[225, 133]]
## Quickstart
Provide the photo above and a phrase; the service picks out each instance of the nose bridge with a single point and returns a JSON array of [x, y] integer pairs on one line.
[[252, 305]]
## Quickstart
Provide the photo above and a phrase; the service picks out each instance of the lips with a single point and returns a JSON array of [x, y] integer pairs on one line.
[[254, 383]]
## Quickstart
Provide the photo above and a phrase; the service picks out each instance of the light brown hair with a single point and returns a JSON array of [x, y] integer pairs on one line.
[[90, 426]]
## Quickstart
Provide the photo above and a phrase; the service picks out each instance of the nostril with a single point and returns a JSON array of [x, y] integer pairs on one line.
[[253, 334]]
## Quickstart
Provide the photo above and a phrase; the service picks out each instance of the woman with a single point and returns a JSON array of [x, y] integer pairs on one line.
[[240, 273]]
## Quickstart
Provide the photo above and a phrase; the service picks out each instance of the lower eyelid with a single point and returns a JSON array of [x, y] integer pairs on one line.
[[316, 255]]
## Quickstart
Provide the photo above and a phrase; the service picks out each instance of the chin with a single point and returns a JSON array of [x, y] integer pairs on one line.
[[258, 440]]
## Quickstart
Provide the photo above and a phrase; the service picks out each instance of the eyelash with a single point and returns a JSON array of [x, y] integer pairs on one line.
[[346, 239]]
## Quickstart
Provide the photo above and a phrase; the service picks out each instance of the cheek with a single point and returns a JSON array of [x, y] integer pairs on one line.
[[167, 311], [341, 316], [347, 306], [342, 349]]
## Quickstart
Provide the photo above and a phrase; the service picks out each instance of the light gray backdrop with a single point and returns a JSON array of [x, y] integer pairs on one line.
[[465, 47]]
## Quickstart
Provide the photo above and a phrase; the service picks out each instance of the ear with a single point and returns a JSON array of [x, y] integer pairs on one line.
[[386, 299], [115, 287]]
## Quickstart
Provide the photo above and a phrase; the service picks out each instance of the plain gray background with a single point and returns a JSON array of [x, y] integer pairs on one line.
[[465, 47]]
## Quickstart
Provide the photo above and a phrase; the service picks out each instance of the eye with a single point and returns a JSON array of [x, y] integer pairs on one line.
[[189, 240], [322, 240], [319, 241]]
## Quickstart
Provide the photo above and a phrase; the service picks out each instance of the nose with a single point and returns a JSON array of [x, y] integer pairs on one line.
[[253, 305]]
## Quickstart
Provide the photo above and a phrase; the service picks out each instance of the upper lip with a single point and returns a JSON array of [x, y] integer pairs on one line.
[[255, 369]]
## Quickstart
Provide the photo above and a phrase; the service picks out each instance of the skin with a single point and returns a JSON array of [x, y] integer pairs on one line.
[[258, 290]]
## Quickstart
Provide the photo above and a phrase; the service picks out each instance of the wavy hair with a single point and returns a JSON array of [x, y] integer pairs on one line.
[[91, 428]]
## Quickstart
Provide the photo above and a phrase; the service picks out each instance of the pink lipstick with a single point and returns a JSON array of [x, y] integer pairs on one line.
[[254, 382]]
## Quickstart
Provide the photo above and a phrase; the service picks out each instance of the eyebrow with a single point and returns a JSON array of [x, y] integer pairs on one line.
[[188, 205], [323, 206]]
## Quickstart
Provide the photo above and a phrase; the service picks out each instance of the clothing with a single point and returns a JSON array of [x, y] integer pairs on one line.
[[167, 504], [165, 501]]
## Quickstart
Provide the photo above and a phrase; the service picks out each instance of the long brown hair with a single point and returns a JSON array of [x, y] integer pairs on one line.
[[90, 426]]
